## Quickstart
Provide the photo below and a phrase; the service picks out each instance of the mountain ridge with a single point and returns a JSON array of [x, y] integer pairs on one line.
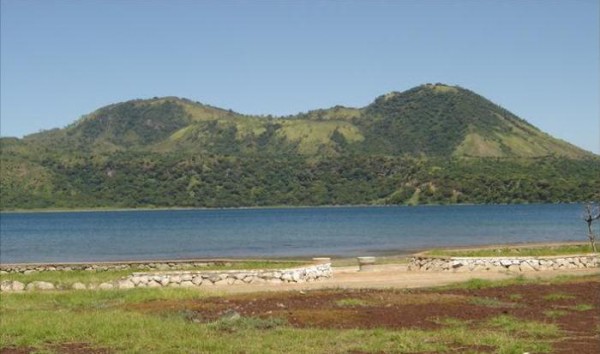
[[430, 120], [432, 144]]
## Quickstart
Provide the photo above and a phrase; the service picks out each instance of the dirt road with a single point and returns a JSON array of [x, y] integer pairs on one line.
[[393, 276]]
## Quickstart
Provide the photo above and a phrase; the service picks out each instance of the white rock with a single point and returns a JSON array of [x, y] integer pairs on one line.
[[6, 285], [105, 286], [40, 285], [153, 284], [78, 286], [162, 266], [535, 264], [18, 286], [186, 284], [213, 278], [197, 280], [514, 268], [526, 267], [125, 284]]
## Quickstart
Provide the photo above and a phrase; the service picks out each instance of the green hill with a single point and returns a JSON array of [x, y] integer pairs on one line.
[[430, 144], [443, 120]]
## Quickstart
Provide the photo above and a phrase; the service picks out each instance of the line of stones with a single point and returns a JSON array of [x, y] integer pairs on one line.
[[513, 264], [97, 267], [188, 279]]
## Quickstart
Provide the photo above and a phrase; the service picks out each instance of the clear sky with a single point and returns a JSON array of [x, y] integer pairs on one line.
[[63, 59]]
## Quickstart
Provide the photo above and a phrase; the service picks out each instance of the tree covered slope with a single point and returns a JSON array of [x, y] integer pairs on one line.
[[430, 144]]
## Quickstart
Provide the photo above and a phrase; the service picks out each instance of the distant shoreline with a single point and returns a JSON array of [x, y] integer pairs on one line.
[[110, 209]]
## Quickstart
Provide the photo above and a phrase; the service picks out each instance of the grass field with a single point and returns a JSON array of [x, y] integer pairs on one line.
[[513, 317]]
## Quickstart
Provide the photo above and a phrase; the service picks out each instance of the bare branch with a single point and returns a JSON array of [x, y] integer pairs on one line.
[[591, 213]]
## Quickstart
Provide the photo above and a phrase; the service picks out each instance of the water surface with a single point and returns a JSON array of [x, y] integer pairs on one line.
[[296, 232]]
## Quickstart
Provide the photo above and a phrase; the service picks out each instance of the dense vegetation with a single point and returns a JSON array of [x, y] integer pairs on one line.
[[430, 144], [151, 180]]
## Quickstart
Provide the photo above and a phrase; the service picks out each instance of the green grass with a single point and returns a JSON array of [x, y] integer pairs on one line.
[[490, 302], [515, 297], [247, 323], [558, 297], [476, 283], [582, 307], [555, 313], [451, 322], [515, 251], [351, 303], [513, 325], [64, 279], [101, 319]]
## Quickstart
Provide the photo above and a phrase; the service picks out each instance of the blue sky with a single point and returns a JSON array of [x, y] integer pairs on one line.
[[63, 59]]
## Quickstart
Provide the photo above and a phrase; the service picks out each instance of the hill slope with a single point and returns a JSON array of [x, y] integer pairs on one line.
[[429, 144], [443, 120], [428, 120]]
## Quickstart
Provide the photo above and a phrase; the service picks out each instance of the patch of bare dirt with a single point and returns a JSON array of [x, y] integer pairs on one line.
[[578, 305]]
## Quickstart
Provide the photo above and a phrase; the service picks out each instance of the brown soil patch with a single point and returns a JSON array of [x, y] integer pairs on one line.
[[420, 309]]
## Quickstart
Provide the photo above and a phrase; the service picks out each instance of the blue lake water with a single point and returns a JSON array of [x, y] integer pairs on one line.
[[297, 232]]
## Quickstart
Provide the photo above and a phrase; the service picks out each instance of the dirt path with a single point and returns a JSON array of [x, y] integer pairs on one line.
[[393, 276]]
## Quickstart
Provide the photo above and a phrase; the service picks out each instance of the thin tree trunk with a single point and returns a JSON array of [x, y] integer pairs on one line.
[[591, 236]]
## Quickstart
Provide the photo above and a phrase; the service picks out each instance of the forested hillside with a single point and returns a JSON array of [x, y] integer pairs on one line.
[[430, 144]]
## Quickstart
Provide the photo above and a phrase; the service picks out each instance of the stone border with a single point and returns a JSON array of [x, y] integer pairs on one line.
[[188, 279], [423, 262], [27, 268]]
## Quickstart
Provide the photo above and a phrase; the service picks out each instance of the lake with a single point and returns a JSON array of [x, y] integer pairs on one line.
[[293, 232]]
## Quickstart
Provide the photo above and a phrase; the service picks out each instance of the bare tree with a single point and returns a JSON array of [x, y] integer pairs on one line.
[[590, 214]]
